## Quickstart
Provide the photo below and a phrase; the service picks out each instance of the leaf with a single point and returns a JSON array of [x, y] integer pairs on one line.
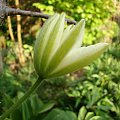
[[46, 107], [36, 103], [71, 115], [7, 119], [95, 97], [82, 113], [53, 115], [104, 108], [25, 111], [89, 115], [57, 114], [96, 118]]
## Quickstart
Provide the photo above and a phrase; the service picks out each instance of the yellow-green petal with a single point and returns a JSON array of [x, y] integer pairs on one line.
[[78, 58], [66, 33], [42, 39], [66, 46], [53, 42]]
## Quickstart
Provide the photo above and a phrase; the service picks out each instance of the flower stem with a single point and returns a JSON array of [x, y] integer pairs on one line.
[[21, 100]]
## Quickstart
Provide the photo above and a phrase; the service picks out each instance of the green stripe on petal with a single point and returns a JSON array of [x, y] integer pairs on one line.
[[66, 33], [78, 42], [41, 41], [67, 45], [53, 41], [79, 58]]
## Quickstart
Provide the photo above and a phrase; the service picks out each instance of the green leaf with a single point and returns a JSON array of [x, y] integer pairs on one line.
[[57, 114], [95, 96], [71, 115], [46, 107], [53, 115], [7, 119], [89, 115], [82, 113], [36, 103], [25, 112], [96, 118]]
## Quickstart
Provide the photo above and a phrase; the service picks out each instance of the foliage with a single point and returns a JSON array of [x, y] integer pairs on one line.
[[93, 91], [57, 114], [33, 108], [96, 13], [97, 89]]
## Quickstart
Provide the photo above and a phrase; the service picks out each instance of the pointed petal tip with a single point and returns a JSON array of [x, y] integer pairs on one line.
[[104, 44], [101, 46], [63, 14], [83, 21], [55, 15], [81, 24], [107, 44]]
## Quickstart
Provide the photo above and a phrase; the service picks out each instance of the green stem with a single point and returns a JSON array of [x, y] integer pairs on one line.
[[21, 100]]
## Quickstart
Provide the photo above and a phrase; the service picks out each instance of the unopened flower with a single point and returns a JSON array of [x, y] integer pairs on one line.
[[58, 50]]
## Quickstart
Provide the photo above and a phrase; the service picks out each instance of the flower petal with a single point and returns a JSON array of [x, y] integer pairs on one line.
[[65, 33], [79, 39], [67, 45], [42, 39], [53, 42], [79, 58]]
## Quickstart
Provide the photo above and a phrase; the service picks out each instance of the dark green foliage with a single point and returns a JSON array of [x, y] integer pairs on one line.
[[31, 109], [57, 114]]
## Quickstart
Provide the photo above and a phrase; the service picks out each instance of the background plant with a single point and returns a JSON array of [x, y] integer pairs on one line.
[[96, 87]]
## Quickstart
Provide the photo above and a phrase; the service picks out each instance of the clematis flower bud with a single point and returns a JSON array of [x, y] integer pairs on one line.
[[58, 50]]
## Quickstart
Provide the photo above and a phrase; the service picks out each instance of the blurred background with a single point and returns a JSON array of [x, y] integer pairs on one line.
[[93, 90]]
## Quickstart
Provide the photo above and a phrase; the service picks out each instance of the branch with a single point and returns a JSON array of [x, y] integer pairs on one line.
[[12, 11]]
